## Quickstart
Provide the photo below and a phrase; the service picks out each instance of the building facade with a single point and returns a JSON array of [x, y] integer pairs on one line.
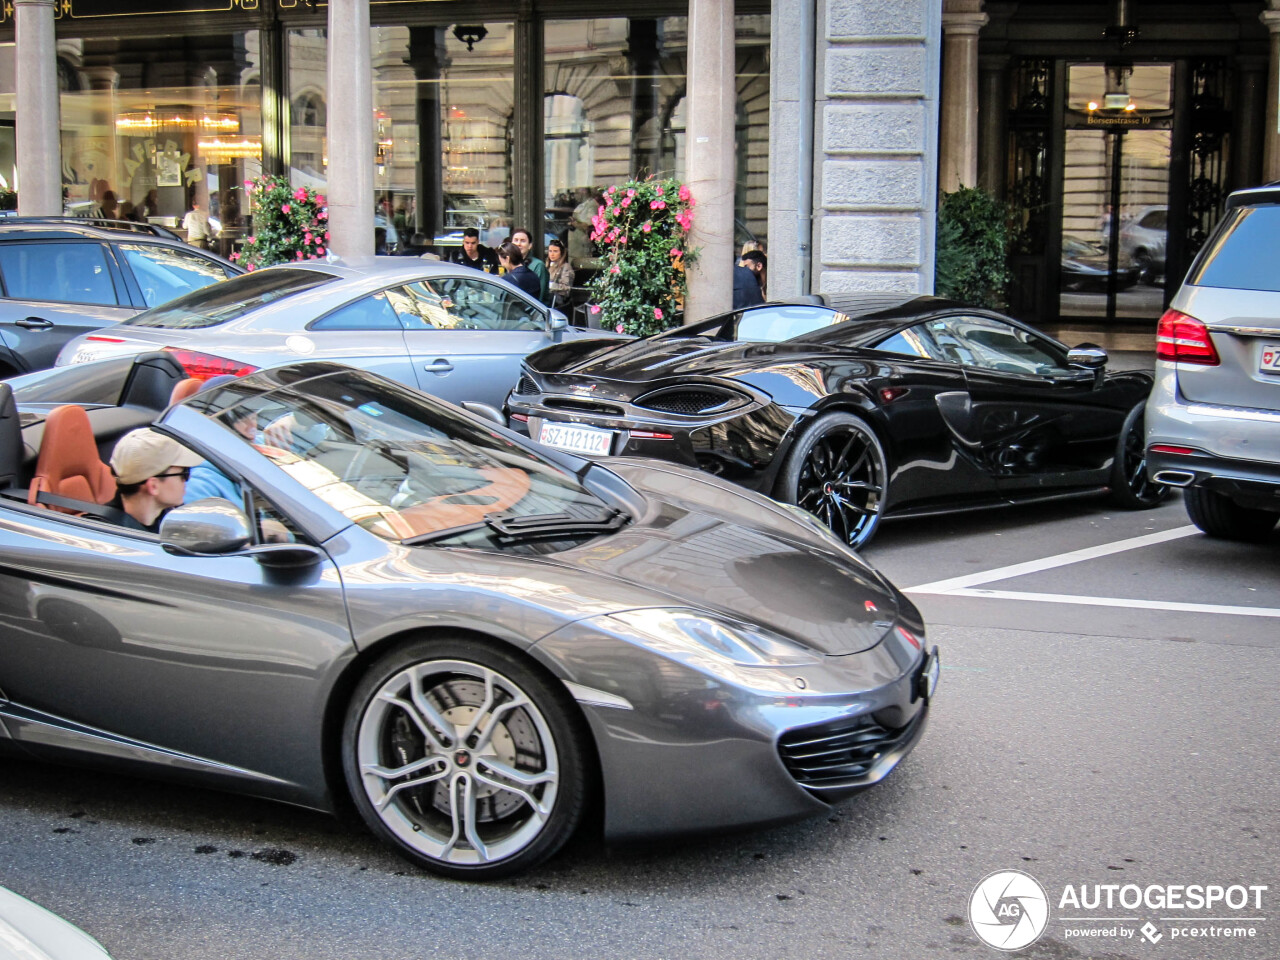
[[1113, 128]]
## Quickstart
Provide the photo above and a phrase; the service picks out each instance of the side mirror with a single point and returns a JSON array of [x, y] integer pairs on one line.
[[556, 322], [211, 526], [484, 410], [1087, 355]]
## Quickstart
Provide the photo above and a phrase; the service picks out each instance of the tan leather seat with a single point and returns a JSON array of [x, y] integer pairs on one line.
[[185, 388], [69, 465]]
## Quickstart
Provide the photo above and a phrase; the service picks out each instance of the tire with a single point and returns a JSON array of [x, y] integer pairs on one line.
[[1131, 487], [837, 471], [1220, 516], [468, 804], [1146, 267]]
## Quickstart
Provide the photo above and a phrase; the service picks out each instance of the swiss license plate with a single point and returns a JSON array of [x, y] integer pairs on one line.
[[577, 439], [1270, 358]]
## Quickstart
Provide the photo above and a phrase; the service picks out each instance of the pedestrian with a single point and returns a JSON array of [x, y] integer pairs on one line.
[[512, 261], [151, 473], [559, 274], [523, 239], [196, 224], [473, 253], [747, 291]]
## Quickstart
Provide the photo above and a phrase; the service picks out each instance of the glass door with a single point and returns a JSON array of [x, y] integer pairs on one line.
[[1115, 190]]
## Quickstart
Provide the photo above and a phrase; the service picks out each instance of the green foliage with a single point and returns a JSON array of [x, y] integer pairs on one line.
[[288, 224], [8, 200], [972, 248], [644, 227]]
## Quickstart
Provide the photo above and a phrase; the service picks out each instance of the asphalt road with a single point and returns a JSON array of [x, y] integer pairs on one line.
[[1124, 737]]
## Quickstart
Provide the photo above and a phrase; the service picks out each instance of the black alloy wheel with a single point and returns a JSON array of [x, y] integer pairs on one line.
[[1131, 486], [465, 758], [837, 472]]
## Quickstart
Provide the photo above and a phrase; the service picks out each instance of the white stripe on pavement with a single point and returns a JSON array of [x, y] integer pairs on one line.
[[956, 584], [1171, 605]]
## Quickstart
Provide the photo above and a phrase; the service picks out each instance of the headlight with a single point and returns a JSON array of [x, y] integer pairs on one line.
[[692, 632]]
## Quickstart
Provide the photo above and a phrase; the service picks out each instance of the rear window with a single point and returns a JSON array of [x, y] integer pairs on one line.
[[1231, 258], [229, 300]]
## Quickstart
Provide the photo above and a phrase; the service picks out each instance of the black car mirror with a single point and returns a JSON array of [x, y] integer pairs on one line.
[[1087, 355], [209, 527]]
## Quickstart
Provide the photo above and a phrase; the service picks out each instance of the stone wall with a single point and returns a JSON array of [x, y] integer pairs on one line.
[[874, 157]]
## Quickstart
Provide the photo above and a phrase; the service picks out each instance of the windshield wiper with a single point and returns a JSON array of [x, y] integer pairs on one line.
[[538, 526]]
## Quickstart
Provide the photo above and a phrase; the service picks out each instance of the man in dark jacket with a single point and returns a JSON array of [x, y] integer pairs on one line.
[[746, 280], [473, 253]]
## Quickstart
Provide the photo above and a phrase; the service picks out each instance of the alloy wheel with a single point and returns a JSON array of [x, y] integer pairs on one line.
[[841, 479]]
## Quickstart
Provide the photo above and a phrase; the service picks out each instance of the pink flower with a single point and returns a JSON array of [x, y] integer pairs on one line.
[[611, 191], [614, 268], [653, 204], [620, 329], [306, 238], [662, 204], [626, 201], [285, 208], [659, 191], [298, 255], [630, 193], [321, 200], [300, 194], [657, 313], [235, 257], [326, 234], [253, 239], [647, 227], [323, 214], [320, 250], [684, 193], [675, 251], [613, 211], [251, 268], [622, 239], [595, 308], [248, 185]]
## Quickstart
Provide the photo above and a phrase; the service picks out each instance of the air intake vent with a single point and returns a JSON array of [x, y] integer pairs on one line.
[[689, 403], [839, 753], [582, 406], [526, 387]]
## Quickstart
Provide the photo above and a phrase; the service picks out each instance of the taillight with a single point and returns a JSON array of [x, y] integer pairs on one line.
[[96, 338], [1184, 339], [203, 366], [1170, 448]]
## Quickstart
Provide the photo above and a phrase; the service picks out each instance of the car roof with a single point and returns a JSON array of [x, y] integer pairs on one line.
[[97, 228], [875, 306], [389, 269]]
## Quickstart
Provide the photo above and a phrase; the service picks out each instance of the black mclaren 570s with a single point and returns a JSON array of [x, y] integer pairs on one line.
[[854, 408]]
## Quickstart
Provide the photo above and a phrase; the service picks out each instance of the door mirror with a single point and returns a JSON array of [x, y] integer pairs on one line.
[[212, 526], [484, 410], [1087, 355], [556, 321]]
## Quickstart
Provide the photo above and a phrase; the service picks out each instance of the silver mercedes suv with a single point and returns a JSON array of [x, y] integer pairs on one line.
[[1213, 418]]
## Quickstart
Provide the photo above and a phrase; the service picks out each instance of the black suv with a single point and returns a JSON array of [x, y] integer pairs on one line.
[[64, 276]]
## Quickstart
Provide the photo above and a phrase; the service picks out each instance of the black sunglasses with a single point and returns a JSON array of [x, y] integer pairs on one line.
[[183, 472]]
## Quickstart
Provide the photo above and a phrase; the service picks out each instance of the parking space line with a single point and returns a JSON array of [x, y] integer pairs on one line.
[[1170, 605], [958, 584]]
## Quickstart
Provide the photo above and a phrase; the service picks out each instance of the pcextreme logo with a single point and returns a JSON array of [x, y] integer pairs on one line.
[[1010, 910]]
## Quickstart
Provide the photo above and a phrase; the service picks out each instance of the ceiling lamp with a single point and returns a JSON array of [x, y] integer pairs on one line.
[[470, 35]]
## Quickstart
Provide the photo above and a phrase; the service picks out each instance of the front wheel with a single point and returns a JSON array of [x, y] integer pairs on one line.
[[1220, 516], [464, 759], [1131, 487], [837, 472]]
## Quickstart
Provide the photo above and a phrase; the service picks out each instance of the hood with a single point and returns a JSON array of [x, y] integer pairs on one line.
[[703, 544]]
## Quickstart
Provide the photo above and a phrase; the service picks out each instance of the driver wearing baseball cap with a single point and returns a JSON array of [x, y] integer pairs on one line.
[[151, 476]]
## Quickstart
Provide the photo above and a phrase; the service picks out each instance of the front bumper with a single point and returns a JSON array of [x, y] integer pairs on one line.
[[698, 752]]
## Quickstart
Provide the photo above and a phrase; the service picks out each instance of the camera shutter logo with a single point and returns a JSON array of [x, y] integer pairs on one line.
[[1009, 910]]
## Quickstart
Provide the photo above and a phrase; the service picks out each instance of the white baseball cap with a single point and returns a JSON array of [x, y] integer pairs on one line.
[[145, 453]]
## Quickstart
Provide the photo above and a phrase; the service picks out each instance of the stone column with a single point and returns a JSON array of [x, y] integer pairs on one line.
[[992, 117], [958, 148], [710, 165], [428, 59], [1247, 124], [1271, 136], [528, 185], [37, 112], [350, 126]]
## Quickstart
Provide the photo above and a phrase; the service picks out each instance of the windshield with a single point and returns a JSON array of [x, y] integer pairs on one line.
[[99, 382], [229, 300], [400, 464]]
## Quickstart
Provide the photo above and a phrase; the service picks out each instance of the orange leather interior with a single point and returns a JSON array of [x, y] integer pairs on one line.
[[185, 388], [69, 465]]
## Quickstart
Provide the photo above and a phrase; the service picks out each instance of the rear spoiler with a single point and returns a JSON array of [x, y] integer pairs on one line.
[[1244, 198]]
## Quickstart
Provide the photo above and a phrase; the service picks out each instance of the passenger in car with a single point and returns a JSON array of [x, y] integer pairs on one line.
[[151, 476]]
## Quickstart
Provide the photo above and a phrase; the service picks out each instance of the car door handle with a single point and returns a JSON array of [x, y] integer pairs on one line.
[[438, 366], [33, 323]]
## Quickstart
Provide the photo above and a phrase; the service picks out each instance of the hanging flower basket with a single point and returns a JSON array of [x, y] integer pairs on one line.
[[643, 227], [288, 225]]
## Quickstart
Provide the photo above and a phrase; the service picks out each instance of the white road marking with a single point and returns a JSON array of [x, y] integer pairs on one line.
[[1049, 563], [969, 585]]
